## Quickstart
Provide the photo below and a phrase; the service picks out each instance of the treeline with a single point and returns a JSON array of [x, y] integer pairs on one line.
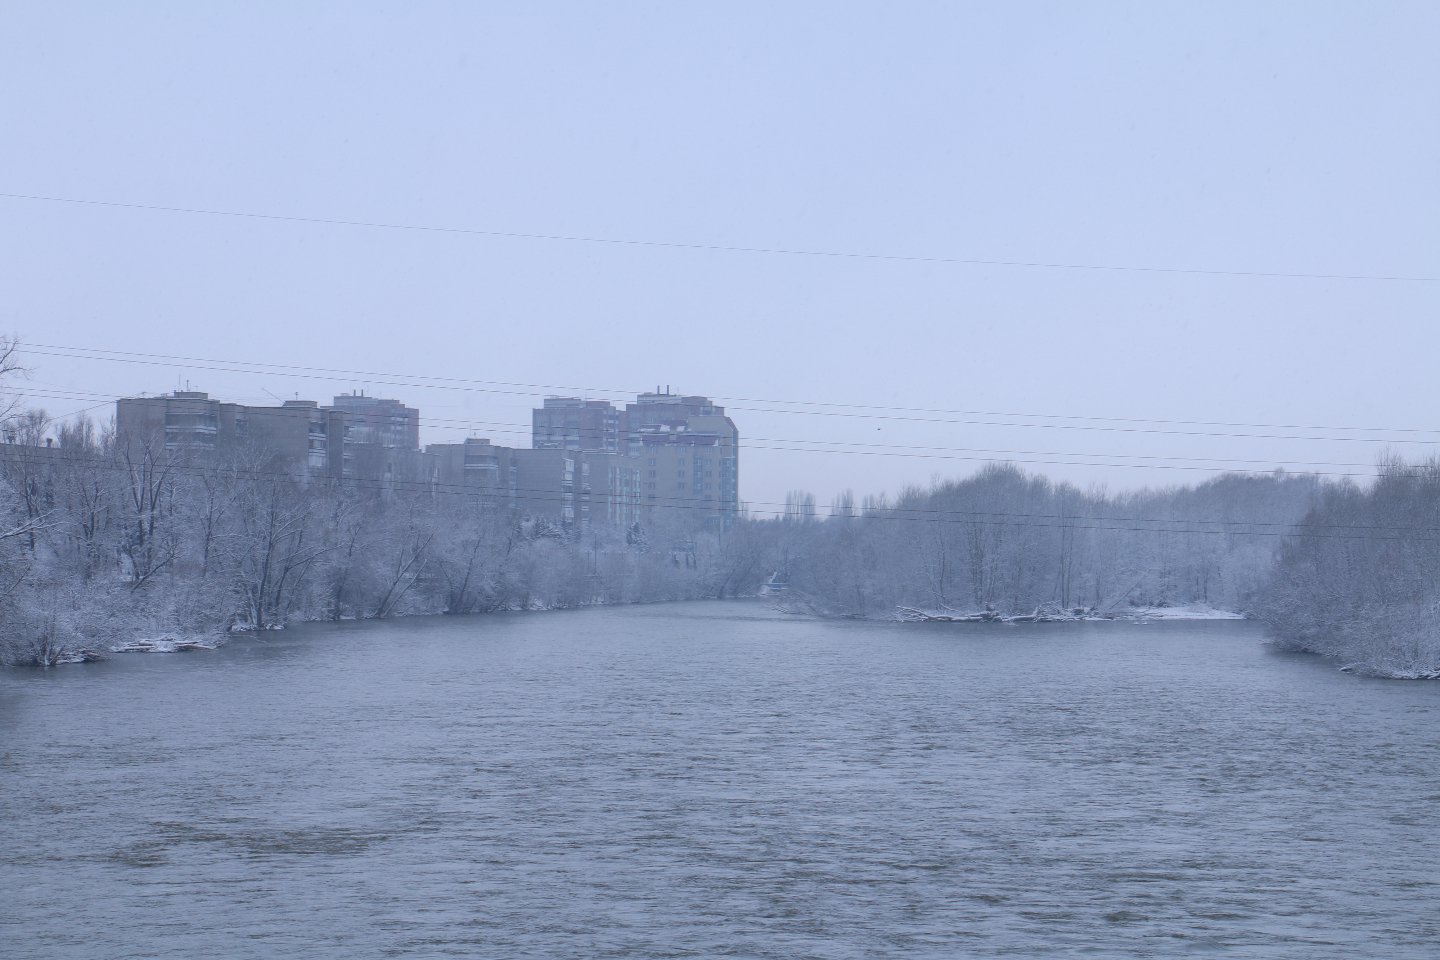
[[104, 541], [1329, 567], [1010, 542], [1360, 581]]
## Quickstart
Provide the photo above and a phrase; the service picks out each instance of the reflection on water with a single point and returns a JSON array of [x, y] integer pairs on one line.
[[712, 779]]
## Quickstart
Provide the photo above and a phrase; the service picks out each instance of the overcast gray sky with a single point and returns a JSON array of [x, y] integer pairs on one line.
[[1256, 138]]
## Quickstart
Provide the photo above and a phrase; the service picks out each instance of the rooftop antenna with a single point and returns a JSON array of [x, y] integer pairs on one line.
[[272, 396]]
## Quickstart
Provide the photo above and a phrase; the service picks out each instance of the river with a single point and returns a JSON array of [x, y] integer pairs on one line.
[[716, 779]]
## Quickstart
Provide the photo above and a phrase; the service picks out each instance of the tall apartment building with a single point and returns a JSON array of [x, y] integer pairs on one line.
[[690, 453], [377, 420], [570, 423], [685, 447]]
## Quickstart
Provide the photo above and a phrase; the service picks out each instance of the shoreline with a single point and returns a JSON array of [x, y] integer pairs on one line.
[[181, 642], [1129, 614]]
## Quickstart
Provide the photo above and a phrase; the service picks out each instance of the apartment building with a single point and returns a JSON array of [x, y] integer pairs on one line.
[[366, 439], [378, 420], [689, 452], [612, 484], [572, 486], [475, 466], [570, 423], [589, 461], [299, 436], [685, 449], [475, 463]]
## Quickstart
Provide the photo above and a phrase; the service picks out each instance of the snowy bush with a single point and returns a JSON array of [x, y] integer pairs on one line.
[[1360, 580]]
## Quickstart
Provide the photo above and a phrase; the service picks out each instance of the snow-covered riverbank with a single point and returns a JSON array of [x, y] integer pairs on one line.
[[47, 653], [1138, 614]]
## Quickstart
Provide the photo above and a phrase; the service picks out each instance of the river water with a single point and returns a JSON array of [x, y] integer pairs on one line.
[[715, 779]]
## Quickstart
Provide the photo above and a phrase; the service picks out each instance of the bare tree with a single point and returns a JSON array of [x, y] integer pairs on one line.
[[11, 369]]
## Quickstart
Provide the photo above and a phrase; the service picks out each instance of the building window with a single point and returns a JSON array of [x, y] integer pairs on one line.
[[651, 463], [680, 474], [652, 472]]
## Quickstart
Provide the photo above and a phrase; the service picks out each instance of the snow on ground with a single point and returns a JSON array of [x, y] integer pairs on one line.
[[164, 645], [1191, 612]]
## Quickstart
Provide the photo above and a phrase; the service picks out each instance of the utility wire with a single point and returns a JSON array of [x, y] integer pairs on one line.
[[716, 248], [762, 443], [510, 427], [620, 393], [201, 364]]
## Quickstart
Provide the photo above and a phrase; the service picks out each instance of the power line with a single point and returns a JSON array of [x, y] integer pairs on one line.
[[1060, 463], [717, 248], [288, 371], [763, 443], [510, 427], [617, 393]]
